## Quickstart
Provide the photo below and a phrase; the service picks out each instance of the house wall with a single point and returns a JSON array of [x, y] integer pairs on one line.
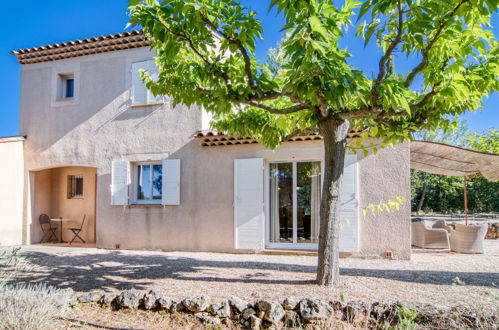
[[383, 177], [101, 126], [11, 193], [98, 126]]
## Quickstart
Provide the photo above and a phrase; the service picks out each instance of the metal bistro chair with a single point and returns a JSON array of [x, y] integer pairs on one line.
[[47, 229], [76, 231]]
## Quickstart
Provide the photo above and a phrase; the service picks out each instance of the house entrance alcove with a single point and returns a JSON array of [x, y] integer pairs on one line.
[[67, 192]]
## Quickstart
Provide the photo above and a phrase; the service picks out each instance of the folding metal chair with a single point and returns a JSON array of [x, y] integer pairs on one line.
[[47, 229], [76, 231]]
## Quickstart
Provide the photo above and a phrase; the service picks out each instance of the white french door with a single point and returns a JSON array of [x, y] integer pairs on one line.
[[293, 204]]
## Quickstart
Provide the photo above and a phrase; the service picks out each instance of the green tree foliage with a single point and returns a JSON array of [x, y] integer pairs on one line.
[[457, 51], [486, 142], [206, 56]]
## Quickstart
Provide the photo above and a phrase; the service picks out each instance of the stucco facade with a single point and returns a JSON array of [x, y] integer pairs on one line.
[[11, 190], [100, 125]]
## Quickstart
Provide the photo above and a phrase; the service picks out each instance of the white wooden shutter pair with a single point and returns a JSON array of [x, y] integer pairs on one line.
[[140, 93], [120, 181]]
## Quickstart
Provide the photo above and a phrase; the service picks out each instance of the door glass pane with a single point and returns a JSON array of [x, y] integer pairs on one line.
[[281, 203], [157, 181], [144, 191], [308, 191]]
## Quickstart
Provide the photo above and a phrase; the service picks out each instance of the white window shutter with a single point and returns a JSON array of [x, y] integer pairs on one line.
[[153, 72], [139, 89], [171, 182], [248, 203], [119, 183], [349, 234]]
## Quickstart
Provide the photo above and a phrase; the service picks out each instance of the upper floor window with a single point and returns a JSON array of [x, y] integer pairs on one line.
[[66, 86], [140, 93]]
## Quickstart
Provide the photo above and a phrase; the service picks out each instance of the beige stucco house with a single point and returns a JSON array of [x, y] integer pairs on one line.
[[147, 175]]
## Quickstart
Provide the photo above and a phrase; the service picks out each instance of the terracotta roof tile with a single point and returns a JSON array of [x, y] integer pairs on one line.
[[87, 46], [213, 138]]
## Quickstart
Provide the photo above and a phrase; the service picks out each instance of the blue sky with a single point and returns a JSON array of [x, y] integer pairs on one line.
[[37, 23]]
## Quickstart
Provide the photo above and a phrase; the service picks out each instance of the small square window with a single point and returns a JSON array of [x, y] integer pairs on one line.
[[67, 86], [75, 186]]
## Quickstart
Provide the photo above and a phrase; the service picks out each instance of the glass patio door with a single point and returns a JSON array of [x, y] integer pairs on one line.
[[294, 204]]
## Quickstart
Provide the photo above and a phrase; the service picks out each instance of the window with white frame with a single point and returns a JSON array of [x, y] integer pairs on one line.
[[140, 93], [148, 183]]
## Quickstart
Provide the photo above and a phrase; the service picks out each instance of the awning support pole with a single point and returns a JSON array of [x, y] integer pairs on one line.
[[465, 203]]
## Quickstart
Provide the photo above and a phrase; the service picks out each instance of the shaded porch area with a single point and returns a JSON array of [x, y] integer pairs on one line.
[[67, 196]]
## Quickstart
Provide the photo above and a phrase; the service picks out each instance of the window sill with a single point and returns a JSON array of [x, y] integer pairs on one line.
[[145, 205], [146, 105], [66, 99]]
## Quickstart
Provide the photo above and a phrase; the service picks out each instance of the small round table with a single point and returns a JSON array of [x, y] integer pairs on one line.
[[61, 220]]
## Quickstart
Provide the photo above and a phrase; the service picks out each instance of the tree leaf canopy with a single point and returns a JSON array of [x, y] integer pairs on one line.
[[206, 56]]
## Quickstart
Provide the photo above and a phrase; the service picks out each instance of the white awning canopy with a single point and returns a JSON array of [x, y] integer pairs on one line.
[[444, 159]]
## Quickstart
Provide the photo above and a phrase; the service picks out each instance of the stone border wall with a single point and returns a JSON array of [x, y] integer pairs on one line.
[[294, 312]]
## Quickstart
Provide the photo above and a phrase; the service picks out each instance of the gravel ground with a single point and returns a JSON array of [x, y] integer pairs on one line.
[[440, 278]]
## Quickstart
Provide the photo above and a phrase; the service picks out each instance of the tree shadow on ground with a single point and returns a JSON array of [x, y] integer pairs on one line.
[[118, 270]]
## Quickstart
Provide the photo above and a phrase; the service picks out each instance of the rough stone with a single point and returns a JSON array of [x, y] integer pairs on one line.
[[176, 306], [356, 312], [107, 298], [92, 296], [165, 303], [273, 312], [130, 299], [291, 303], [255, 322], [314, 309], [381, 311], [207, 319], [248, 312], [337, 305], [197, 304], [64, 298], [221, 309], [406, 304], [292, 320], [150, 299], [238, 304]]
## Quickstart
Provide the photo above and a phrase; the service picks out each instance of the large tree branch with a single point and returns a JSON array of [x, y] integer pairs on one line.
[[184, 37], [284, 111], [388, 53], [359, 114], [240, 47], [425, 61]]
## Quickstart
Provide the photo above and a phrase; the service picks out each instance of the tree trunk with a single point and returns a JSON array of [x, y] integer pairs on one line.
[[423, 194], [334, 131]]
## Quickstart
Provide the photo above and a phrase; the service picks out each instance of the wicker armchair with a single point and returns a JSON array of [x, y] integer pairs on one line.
[[468, 239], [424, 236]]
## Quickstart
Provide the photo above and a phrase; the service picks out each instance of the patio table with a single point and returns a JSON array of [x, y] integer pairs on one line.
[[61, 220]]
